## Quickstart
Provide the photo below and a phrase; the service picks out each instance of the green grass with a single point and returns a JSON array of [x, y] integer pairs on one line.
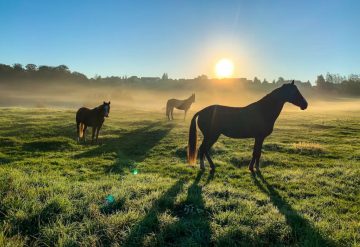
[[52, 190]]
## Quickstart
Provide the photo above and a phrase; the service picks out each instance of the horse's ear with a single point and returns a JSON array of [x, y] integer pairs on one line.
[[109, 102], [104, 103], [292, 83]]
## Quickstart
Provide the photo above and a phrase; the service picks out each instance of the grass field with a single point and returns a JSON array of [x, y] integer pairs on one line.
[[53, 190]]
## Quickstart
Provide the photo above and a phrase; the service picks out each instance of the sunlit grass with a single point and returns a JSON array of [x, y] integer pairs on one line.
[[53, 191]]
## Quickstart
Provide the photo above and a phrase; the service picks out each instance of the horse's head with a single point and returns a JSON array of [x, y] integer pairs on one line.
[[106, 108], [293, 95]]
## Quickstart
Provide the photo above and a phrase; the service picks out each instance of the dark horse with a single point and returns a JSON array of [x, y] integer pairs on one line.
[[93, 118], [253, 121], [178, 104]]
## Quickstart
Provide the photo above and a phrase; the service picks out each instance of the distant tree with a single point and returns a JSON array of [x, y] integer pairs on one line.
[[202, 77], [256, 81], [265, 81], [280, 80], [334, 78], [273, 82], [44, 68], [18, 67], [321, 83], [165, 76], [62, 68], [31, 67]]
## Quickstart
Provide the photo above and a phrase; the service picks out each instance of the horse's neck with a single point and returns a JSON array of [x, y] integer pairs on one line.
[[187, 102], [272, 106], [98, 111]]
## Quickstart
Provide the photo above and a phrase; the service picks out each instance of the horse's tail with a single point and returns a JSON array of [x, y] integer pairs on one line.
[[81, 130], [191, 151]]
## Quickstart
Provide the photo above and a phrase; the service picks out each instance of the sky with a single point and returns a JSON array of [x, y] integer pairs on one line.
[[267, 39]]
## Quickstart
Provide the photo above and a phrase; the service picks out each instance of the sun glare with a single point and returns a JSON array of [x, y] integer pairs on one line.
[[224, 68]]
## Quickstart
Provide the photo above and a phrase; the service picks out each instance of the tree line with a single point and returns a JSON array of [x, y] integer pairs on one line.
[[18, 74]]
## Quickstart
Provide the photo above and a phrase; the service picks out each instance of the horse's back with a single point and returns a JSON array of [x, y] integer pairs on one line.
[[81, 113], [236, 122]]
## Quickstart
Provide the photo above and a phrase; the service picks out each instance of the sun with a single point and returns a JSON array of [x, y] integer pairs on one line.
[[224, 68]]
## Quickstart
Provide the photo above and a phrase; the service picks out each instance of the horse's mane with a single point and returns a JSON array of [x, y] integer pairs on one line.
[[274, 94]]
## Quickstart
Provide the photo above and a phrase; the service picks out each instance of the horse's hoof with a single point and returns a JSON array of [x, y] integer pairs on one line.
[[251, 169]]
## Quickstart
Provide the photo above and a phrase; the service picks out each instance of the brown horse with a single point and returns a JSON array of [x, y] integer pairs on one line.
[[91, 117], [178, 104], [253, 121]]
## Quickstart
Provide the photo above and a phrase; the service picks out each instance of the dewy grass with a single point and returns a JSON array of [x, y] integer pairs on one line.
[[54, 192]]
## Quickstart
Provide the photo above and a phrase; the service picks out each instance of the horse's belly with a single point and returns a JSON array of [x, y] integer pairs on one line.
[[238, 134], [244, 130]]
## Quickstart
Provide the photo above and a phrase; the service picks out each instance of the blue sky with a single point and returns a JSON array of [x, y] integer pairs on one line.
[[268, 39]]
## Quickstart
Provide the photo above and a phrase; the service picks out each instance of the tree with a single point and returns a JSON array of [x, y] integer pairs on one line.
[[201, 77], [18, 67], [320, 82], [280, 80], [256, 80], [62, 68], [165, 76], [31, 67]]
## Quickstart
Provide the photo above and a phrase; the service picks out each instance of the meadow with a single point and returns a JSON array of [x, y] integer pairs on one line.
[[53, 191]]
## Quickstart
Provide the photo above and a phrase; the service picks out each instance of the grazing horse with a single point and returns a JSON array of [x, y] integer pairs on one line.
[[178, 104], [253, 121], [91, 117]]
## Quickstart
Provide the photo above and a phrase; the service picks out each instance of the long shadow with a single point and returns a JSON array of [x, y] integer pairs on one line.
[[150, 223], [303, 232], [130, 147], [193, 227]]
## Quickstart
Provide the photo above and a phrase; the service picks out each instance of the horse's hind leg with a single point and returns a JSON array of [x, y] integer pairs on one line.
[[210, 143], [204, 149], [84, 133], [93, 134]]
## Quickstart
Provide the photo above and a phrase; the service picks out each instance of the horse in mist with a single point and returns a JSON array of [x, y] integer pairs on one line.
[[178, 104], [253, 121], [91, 117]]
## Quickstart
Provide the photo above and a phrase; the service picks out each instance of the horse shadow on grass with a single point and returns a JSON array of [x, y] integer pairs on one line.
[[130, 147], [191, 228], [302, 230]]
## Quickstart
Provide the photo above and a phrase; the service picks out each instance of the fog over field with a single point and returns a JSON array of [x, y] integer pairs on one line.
[[73, 96]]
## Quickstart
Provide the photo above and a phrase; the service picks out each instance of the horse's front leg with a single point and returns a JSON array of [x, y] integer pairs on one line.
[[97, 133], [185, 114], [78, 132], [256, 154], [172, 113]]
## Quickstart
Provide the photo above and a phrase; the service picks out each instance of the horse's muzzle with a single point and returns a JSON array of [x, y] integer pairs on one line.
[[304, 106]]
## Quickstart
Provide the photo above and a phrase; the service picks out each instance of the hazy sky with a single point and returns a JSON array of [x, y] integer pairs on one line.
[[293, 39]]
